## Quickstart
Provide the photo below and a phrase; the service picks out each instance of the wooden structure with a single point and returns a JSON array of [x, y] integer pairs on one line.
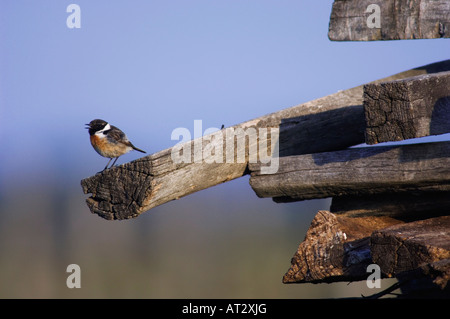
[[390, 204], [333, 122], [369, 20]]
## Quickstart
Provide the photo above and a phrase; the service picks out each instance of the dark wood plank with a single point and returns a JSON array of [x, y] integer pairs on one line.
[[406, 247], [409, 108], [415, 19], [322, 132], [335, 248]]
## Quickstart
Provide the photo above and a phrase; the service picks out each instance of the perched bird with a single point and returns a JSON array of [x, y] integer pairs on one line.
[[109, 141]]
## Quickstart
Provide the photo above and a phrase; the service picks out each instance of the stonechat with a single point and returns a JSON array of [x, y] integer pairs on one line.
[[109, 141]]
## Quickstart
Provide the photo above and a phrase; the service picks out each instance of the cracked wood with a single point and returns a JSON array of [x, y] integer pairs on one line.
[[408, 108], [335, 248], [406, 247]]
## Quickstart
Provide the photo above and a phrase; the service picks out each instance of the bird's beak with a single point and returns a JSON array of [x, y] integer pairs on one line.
[[87, 126]]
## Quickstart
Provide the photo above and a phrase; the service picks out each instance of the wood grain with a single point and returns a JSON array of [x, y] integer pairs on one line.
[[406, 247], [409, 108], [413, 19], [357, 171], [335, 248]]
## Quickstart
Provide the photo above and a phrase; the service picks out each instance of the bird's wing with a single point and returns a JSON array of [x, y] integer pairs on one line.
[[115, 135]]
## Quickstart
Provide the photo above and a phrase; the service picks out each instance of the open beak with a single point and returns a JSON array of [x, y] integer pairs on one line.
[[87, 126]]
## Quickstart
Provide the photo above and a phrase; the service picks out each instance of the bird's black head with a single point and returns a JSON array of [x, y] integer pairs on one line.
[[95, 126]]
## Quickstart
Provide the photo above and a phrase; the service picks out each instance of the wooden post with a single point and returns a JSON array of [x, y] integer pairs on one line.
[[369, 20], [133, 188], [409, 108]]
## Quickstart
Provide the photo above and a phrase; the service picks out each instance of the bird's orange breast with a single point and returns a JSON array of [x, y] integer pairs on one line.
[[108, 149]]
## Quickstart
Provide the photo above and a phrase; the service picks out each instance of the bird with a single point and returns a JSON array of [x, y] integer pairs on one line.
[[109, 141]]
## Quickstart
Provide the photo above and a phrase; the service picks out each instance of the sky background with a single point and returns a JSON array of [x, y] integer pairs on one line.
[[149, 67]]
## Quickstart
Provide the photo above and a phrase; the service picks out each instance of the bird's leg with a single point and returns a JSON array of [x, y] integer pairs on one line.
[[108, 163], [115, 161]]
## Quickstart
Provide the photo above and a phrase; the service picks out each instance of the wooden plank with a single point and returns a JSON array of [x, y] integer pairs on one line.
[[335, 248], [406, 247], [369, 20], [405, 206], [408, 108], [357, 171], [128, 190]]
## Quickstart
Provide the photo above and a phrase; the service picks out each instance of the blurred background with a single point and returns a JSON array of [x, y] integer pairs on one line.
[[149, 67]]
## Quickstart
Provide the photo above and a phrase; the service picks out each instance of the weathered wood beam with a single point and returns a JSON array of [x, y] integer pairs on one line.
[[406, 247], [357, 171], [369, 20], [335, 248], [408, 108], [405, 206], [130, 189]]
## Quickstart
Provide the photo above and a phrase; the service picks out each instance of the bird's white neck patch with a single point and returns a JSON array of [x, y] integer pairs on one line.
[[106, 128]]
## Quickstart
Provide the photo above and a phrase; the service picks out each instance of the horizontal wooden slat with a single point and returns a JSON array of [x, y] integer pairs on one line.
[[357, 171]]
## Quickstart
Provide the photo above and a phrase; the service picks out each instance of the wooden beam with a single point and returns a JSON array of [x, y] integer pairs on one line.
[[369, 20], [130, 189], [406, 247], [335, 248], [408, 108], [405, 206], [357, 171]]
